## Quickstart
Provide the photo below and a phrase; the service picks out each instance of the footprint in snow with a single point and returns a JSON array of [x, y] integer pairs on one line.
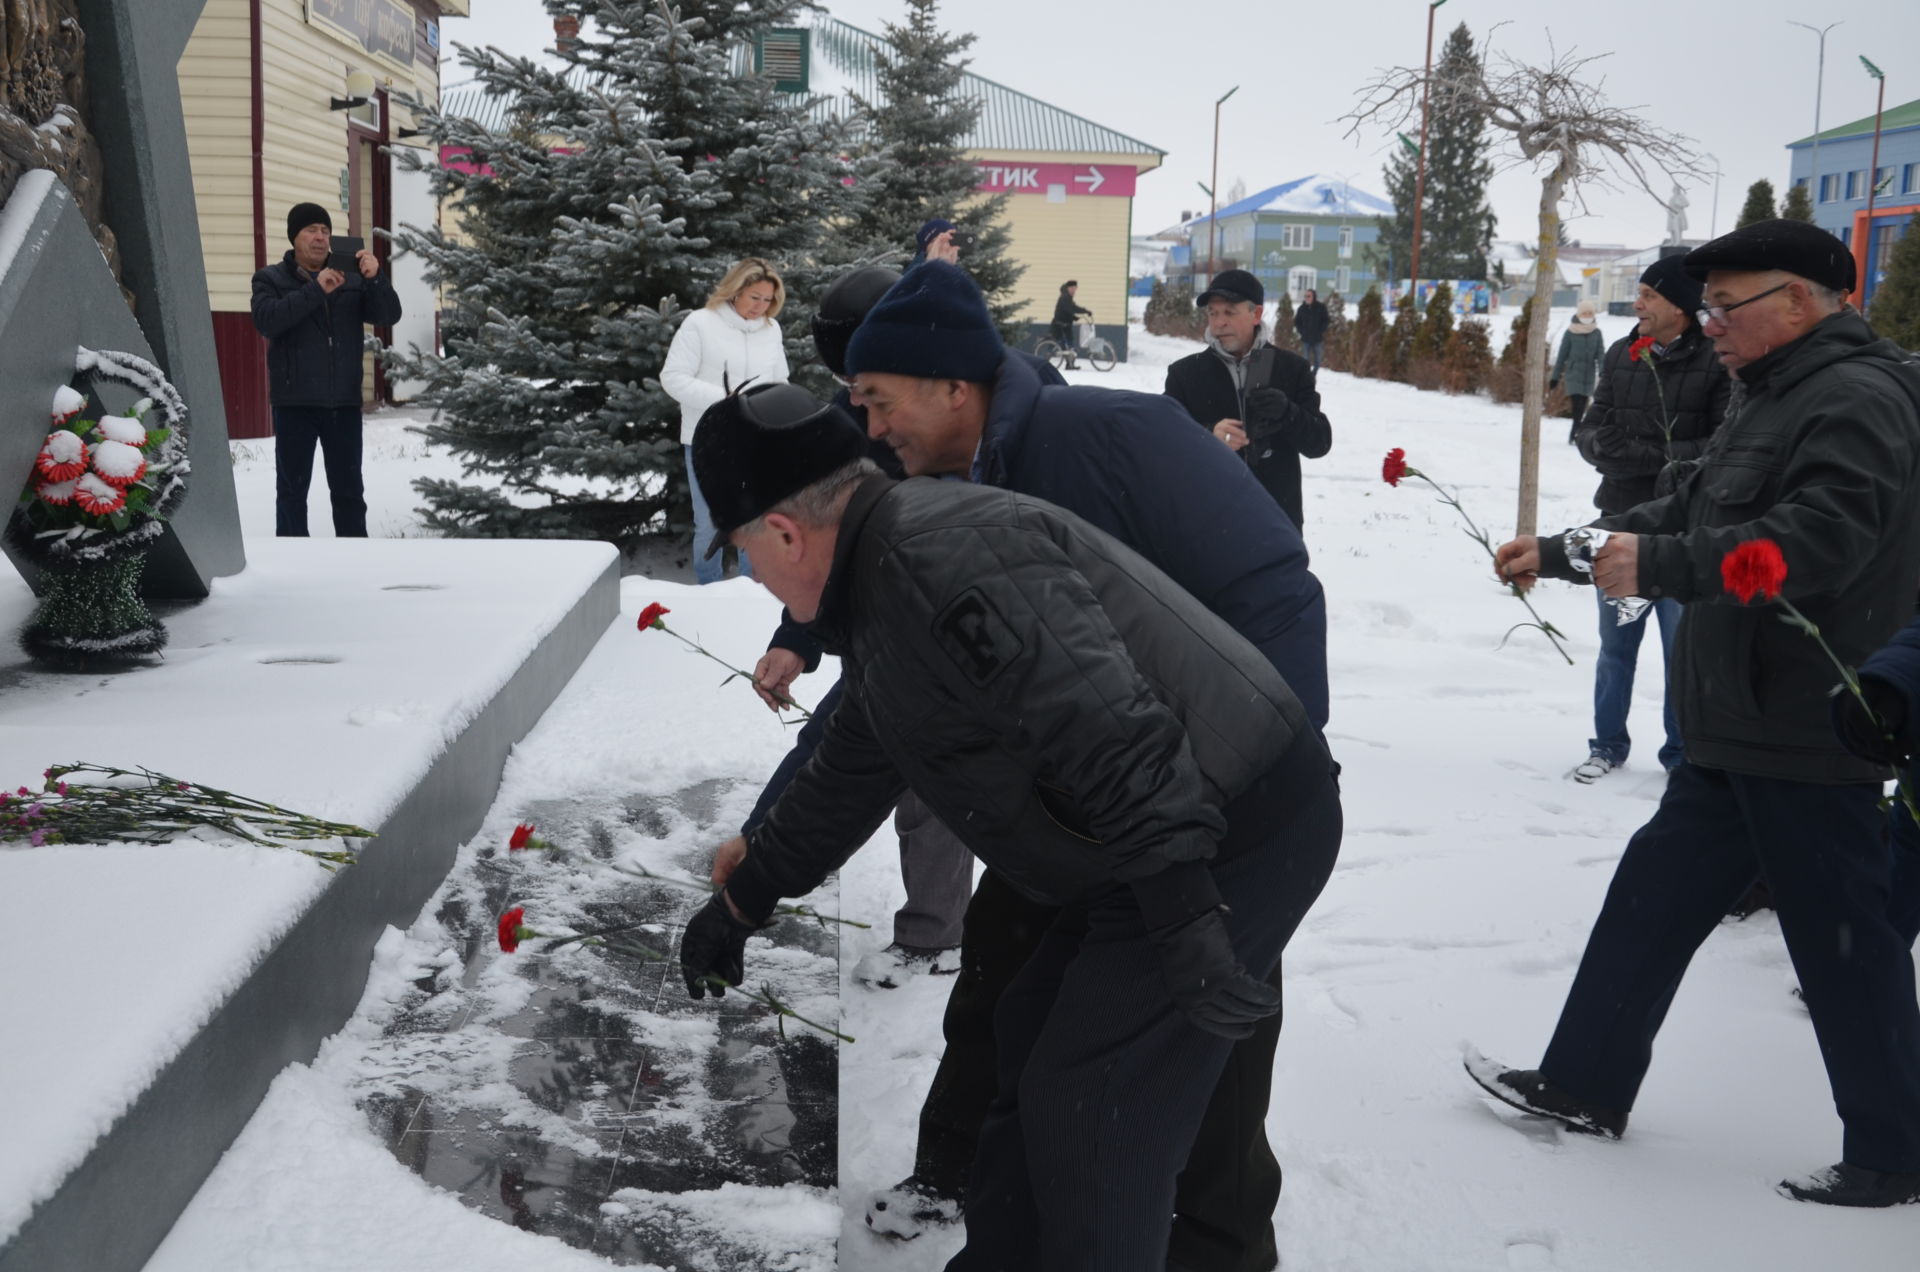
[[1531, 1252]]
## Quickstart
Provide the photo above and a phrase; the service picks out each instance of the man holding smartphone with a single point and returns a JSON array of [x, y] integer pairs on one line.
[[313, 308]]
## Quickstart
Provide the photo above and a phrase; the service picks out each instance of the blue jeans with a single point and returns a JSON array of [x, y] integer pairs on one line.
[[1613, 681], [707, 569], [1313, 348]]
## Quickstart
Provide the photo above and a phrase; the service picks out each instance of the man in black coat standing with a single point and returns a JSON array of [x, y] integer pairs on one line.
[[1650, 410], [1311, 320], [314, 318], [1256, 398], [1107, 744], [1820, 455]]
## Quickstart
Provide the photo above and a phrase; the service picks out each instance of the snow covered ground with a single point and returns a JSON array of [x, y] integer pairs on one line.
[[1471, 870]]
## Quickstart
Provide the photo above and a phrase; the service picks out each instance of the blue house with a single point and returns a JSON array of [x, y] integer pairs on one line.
[[1840, 195], [1301, 234]]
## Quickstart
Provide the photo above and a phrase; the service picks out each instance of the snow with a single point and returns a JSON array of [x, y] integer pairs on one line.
[[1317, 195], [1470, 874], [16, 218]]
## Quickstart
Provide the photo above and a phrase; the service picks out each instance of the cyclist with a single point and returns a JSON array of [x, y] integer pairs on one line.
[[1064, 312]]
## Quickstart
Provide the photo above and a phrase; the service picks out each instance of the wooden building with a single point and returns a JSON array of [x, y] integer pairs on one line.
[[291, 101]]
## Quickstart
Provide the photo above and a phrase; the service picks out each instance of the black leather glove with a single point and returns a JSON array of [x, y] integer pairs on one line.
[[1860, 735], [1207, 982], [713, 949], [1267, 409]]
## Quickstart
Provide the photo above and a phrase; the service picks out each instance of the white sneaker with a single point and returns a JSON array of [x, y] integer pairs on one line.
[[1592, 769], [894, 966]]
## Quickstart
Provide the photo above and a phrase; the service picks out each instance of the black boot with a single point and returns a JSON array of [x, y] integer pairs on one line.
[[1844, 1185], [1529, 1091]]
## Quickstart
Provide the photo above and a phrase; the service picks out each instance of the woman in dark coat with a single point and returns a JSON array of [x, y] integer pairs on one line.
[[1581, 349]]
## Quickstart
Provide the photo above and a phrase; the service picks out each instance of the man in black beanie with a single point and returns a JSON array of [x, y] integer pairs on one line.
[[314, 318], [1820, 455], [1655, 405]]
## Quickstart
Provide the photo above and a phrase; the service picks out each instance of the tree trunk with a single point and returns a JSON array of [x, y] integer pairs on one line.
[[1533, 404]]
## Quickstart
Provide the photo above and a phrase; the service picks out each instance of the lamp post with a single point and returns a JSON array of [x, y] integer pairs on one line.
[[1420, 163], [1873, 165], [1213, 202], [1713, 226], [1819, 87]]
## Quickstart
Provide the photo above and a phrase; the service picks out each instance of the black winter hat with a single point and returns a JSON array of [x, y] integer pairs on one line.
[[1669, 277], [1235, 285], [842, 307], [933, 325], [756, 447], [1794, 246], [301, 215]]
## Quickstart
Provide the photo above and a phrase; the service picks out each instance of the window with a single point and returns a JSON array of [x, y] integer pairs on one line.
[[1857, 184], [1829, 187], [783, 54], [1346, 242], [1343, 280], [1910, 182], [1296, 238], [1301, 277], [1846, 235]]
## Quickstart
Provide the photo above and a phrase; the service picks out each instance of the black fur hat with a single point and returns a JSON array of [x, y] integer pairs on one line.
[[756, 447]]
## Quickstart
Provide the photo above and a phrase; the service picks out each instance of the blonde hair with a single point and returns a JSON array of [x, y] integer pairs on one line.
[[749, 273]]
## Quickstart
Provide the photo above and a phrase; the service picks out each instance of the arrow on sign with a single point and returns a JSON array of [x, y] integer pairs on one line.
[[1095, 181]]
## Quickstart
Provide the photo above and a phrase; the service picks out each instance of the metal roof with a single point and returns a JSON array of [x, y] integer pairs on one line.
[[1317, 195], [1903, 116], [844, 64]]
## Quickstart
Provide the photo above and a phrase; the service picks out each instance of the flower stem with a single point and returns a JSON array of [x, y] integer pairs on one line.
[[698, 648], [1480, 537], [763, 996], [1851, 679]]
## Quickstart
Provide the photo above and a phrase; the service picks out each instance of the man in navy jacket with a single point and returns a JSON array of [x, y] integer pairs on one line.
[[939, 388], [314, 320]]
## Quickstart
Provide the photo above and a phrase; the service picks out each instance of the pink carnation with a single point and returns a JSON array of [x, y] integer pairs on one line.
[[119, 464]]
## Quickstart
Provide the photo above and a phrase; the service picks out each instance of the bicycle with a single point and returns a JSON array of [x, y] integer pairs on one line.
[[1096, 349]]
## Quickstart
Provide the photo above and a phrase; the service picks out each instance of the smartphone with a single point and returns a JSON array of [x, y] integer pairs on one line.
[[962, 239], [341, 253]]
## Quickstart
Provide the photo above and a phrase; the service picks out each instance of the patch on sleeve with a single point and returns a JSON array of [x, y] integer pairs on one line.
[[973, 634]]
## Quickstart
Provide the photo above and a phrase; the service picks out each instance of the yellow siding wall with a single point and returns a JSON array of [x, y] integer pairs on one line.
[[215, 93], [1086, 238]]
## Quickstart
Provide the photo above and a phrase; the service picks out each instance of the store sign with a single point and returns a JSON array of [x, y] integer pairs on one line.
[[1056, 181], [384, 28]]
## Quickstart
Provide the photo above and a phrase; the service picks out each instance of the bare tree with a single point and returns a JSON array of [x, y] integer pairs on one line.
[[1559, 124]]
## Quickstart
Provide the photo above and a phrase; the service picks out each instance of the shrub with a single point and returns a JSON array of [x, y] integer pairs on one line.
[[1363, 341], [1467, 362], [1337, 356]]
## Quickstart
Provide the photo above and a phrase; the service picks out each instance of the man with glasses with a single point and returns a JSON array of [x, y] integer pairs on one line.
[[1820, 454]]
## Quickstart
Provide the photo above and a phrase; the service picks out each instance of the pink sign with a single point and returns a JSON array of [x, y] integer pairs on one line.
[[1056, 180]]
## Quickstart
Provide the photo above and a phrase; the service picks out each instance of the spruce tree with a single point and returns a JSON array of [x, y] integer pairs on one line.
[[1363, 342], [1759, 204], [1797, 206], [1430, 341], [1337, 355], [1895, 310], [1457, 225], [1283, 333], [916, 164], [626, 184]]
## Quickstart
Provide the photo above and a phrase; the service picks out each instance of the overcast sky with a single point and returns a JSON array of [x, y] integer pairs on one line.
[[1731, 74]]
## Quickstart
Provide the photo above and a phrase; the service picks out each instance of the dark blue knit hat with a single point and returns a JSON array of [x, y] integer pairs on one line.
[[1669, 277], [932, 325]]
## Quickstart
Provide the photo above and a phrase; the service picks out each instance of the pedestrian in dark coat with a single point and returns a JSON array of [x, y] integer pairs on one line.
[[945, 393], [1578, 362], [314, 319], [1820, 454], [1311, 320], [994, 646], [1648, 412], [1890, 681], [1259, 400]]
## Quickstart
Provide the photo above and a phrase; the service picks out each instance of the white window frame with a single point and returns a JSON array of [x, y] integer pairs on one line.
[[1296, 238], [1910, 179], [1346, 242], [1829, 187], [1299, 278], [1343, 279]]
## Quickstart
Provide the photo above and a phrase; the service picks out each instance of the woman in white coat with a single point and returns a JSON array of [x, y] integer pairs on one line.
[[717, 349]]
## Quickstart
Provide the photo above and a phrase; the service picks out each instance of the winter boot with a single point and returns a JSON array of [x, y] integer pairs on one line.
[[897, 964], [1757, 898], [1593, 768], [1529, 1091], [910, 1208], [1843, 1185]]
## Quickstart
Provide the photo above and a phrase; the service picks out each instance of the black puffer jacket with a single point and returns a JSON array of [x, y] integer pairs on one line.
[[1622, 435], [1821, 454], [1076, 718], [316, 343], [1311, 321]]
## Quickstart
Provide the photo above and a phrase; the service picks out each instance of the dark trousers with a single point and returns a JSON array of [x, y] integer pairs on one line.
[[336, 429], [1576, 407], [1104, 1086], [1904, 833], [1824, 851]]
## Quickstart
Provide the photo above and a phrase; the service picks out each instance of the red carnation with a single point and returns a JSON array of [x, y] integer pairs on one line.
[[511, 929], [1755, 568], [650, 616], [521, 836], [62, 457], [1638, 349], [1395, 466]]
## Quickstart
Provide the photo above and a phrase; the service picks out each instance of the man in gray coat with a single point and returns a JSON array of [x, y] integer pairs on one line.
[[1820, 455], [1100, 739]]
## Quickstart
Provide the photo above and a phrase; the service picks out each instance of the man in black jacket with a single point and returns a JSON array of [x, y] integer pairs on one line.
[[314, 319], [1820, 454], [1104, 742], [1257, 399], [1311, 320], [1650, 409]]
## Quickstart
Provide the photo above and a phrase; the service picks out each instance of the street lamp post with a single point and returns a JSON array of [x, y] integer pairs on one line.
[[1420, 163], [1819, 87], [1713, 227], [1213, 202], [1873, 165]]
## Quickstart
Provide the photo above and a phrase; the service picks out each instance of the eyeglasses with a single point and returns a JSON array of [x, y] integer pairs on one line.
[[1718, 313]]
